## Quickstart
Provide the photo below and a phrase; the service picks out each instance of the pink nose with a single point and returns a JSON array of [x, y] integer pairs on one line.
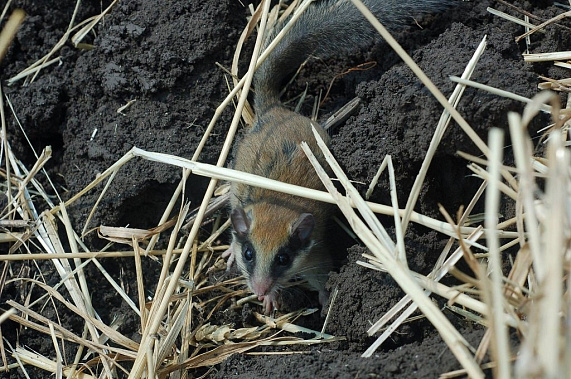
[[261, 287]]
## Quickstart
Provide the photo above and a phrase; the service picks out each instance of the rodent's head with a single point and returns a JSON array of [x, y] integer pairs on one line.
[[271, 245]]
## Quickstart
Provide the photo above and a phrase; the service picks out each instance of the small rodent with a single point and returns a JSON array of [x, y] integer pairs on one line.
[[277, 236]]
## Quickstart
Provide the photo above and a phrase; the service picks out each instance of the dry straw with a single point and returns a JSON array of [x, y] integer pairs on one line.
[[9, 31], [83, 28], [524, 295]]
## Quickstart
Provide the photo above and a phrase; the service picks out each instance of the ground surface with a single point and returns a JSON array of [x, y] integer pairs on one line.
[[164, 56]]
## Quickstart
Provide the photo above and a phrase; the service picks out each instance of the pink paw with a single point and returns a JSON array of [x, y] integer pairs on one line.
[[230, 255], [270, 302]]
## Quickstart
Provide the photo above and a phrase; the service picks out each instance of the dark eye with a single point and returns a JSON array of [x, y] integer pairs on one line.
[[283, 259], [248, 253]]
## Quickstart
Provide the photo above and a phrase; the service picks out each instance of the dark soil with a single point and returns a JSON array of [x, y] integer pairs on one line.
[[164, 57]]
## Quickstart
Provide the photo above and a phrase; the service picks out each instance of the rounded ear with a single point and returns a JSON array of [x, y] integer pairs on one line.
[[240, 222], [303, 227]]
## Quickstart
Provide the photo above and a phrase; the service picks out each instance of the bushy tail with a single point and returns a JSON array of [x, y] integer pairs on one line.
[[328, 28]]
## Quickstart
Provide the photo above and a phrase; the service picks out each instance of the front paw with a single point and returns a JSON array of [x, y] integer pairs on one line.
[[270, 303], [230, 255]]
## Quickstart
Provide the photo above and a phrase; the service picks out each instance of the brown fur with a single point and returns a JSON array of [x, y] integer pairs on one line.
[[264, 220], [271, 149]]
